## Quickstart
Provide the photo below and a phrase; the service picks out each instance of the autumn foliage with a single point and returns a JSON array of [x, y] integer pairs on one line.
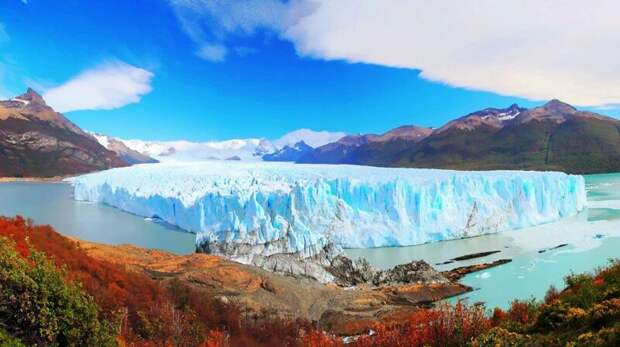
[[446, 325], [146, 312], [141, 311]]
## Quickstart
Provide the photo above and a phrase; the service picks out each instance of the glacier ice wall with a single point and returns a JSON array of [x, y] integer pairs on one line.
[[295, 208]]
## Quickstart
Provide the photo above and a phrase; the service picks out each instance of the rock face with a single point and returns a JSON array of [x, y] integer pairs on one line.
[[36, 141], [555, 136], [350, 273]]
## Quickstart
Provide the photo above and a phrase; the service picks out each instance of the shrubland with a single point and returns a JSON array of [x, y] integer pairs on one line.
[[54, 294]]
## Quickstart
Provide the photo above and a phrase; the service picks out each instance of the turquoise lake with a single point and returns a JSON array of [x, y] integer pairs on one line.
[[592, 238], [53, 204]]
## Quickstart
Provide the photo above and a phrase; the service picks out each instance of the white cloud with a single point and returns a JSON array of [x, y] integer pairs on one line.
[[107, 86], [210, 23], [309, 136], [536, 49]]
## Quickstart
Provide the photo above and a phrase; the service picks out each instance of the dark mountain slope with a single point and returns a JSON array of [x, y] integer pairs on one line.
[[347, 149], [36, 141], [555, 136]]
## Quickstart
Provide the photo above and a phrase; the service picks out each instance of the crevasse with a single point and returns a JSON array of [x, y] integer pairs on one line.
[[302, 207]]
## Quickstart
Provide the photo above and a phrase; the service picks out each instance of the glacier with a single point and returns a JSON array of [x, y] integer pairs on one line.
[[238, 208]]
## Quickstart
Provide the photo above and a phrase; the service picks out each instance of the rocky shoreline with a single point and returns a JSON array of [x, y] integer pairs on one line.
[[325, 265], [356, 297]]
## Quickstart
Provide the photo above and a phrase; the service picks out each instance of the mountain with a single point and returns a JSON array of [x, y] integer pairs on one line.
[[126, 154], [238, 149], [36, 141], [554, 136], [289, 147], [489, 117], [311, 137], [344, 151], [289, 153]]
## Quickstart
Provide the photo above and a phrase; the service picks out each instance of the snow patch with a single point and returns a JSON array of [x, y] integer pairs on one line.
[[25, 102]]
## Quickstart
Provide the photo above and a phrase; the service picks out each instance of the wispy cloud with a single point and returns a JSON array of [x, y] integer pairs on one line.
[[212, 52], [536, 49], [107, 86], [211, 23]]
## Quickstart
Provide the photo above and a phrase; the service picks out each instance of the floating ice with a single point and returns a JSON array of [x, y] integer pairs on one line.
[[303, 207]]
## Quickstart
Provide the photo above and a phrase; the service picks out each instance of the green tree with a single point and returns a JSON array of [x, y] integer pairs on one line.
[[40, 307]]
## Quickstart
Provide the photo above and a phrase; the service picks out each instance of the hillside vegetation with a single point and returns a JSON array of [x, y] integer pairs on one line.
[[53, 293]]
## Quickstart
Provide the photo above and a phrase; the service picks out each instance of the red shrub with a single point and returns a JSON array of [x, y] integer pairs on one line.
[[444, 325], [520, 312]]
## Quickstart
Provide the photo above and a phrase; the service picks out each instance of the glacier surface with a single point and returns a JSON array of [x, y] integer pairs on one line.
[[296, 208]]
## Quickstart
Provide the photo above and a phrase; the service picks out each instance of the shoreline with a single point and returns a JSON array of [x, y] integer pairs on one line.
[[55, 179]]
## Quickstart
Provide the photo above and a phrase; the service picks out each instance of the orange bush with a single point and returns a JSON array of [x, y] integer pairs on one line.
[[445, 325], [318, 338]]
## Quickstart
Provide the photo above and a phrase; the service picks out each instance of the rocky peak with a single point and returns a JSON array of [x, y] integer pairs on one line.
[[514, 108], [356, 140], [302, 146], [556, 105], [31, 96], [406, 132]]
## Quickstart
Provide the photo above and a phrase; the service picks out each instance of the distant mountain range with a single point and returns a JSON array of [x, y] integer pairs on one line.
[[289, 147], [36, 141], [289, 153], [554, 136], [125, 153], [237, 149]]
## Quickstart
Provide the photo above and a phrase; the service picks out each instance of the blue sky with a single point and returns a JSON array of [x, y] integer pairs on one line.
[[200, 70]]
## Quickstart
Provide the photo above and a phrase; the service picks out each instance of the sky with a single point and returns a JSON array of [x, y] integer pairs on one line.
[[213, 70]]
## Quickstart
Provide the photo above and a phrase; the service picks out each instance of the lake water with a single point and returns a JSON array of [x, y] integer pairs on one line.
[[53, 204], [593, 237]]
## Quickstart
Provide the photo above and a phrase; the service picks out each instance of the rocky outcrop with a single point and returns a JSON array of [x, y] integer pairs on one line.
[[350, 273], [273, 256], [325, 264], [460, 272]]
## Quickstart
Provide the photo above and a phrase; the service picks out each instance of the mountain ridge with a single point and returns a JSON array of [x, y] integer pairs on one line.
[[36, 141], [554, 136]]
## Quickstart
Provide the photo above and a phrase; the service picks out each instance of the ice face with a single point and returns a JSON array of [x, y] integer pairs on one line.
[[302, 207]]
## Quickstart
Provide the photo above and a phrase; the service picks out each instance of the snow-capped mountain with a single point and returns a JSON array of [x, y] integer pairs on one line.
[[489, 117], [127, 154], [237, 149], [289, 153], [289, 147], [310, 137]]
